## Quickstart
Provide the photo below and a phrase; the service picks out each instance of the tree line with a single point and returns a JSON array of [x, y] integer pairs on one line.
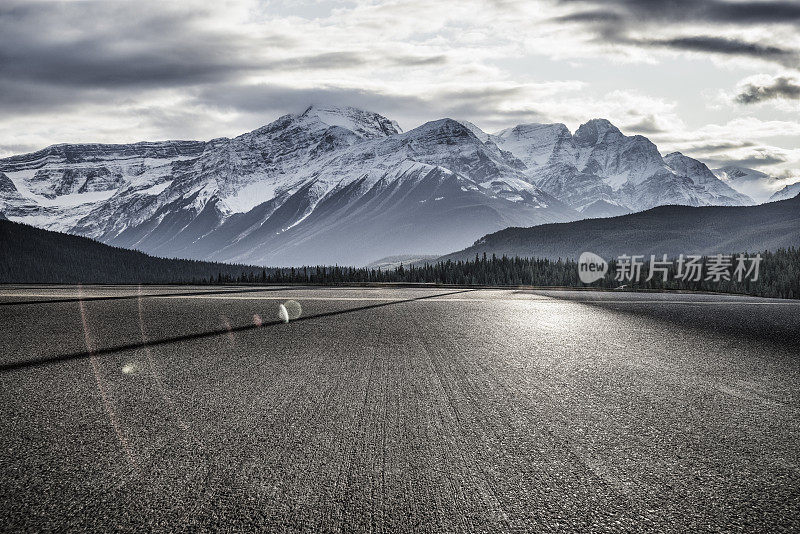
[[32, 255], [778, 276]]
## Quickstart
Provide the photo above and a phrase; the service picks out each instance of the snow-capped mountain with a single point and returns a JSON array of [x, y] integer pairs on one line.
[[344, 185], [601, 172], [327, 185], [56, 187], [789, 191], [758, 185]]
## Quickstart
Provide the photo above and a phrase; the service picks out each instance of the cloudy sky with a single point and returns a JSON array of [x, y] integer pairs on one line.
[[718, 80]]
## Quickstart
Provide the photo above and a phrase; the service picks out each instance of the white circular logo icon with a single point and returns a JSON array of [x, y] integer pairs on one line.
[[591, 267]]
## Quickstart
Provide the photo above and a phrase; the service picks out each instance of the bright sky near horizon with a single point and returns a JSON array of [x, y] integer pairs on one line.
[[718, 80]]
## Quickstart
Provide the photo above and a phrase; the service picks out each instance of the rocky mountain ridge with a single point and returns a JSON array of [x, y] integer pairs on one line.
[[344, 185]]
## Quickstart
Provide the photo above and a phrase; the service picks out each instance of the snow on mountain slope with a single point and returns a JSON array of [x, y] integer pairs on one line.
[[395, 213], [579, 189], [343, 185], [601, 170], [619, 160], [712, 190], [235, 175], [318, 179], [61, 184], [11, 200], [363, 123], [537, 144], [790, 191], [477, 132]]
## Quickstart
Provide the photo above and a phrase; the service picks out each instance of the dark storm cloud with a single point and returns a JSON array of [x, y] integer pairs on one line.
[[115, 45], [781, 87], [269, 99], [757, 159], [716, 147], [46, 89], [715, 11], [611, 21], [20, 96], [57, 55], [721, 45], [92, 63], [592, 16], [647, 125]]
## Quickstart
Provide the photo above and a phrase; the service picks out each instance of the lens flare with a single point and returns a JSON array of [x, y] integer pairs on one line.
[[101, 388], [293, 308], [227, 324], [257, 320], [283, 314]]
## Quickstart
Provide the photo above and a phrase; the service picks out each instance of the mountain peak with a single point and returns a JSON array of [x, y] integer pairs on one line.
[[684, 165], [537, 144], [314, 110], [366, 124], [446, 127], [531, 129], [600, 123], [594, 131]]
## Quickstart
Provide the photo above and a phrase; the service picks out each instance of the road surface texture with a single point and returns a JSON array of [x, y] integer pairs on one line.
[[397, 410]]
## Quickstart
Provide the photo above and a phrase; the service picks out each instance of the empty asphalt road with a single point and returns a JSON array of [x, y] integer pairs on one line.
[[397, 410]]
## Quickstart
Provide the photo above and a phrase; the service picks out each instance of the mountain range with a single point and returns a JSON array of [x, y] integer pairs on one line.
[[343, 185], [662, 230]]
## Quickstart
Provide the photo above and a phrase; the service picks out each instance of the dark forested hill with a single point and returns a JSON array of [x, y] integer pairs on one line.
[[670, 230], [32, 255]]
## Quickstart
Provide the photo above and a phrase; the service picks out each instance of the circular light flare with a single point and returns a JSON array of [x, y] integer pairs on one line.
[[293, 309], [283, 313]]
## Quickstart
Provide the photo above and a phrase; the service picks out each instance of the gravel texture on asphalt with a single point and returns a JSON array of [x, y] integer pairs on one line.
[[397, 410]]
